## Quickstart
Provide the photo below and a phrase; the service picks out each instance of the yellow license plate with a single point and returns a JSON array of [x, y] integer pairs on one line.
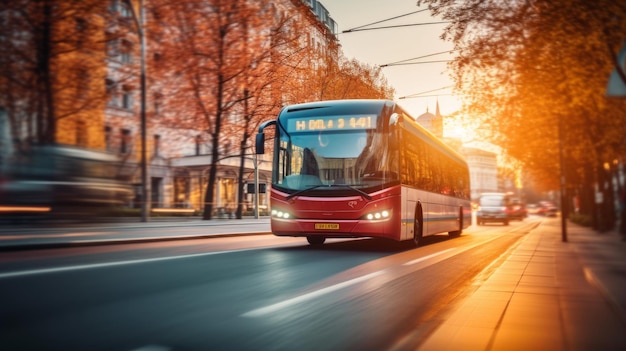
[[327, 226]]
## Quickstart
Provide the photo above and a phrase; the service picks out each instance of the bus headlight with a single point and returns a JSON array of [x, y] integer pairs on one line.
[[281, 214], [384, 214]]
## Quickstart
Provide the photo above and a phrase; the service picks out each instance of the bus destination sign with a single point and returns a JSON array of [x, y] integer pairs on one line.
[[330, 123]]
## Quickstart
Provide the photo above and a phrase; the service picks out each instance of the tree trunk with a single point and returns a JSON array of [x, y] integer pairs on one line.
[[242, 150], [210, 189], [45, 109]]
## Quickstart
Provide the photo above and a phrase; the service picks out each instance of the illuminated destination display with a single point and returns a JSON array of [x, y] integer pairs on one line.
[[329, 123]]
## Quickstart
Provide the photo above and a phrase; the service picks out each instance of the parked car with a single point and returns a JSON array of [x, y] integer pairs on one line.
[[493, 207]]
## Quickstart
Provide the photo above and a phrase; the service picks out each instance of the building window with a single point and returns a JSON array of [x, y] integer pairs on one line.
[[198, 143], [158, 100], [125, 146], [112, 48], [121, 8], [111, 91], [157, 144], [126, 50], [127, 99], [157, 58], [107, 138], [81, 28]]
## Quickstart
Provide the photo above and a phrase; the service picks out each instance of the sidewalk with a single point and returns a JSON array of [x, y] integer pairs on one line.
[[546, 295]]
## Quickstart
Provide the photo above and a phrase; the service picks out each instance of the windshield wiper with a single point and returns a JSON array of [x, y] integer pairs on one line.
[[300, 192], [361, 192]]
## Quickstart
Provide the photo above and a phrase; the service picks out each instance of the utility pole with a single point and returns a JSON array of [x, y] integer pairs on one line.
[[145, 198]]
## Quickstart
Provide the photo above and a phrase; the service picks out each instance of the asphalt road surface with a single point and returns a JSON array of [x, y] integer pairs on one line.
[[242, 293]]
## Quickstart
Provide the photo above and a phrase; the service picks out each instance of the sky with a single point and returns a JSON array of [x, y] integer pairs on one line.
[[384, 46]]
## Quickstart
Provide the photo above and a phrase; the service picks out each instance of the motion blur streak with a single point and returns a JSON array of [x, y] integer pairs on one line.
[[428, 257], [110, 264], [24, 209], [296, 300]]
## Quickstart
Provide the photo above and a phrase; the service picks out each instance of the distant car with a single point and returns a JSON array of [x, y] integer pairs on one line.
[[532, 209], [493, 207], [547, 208], [517, 210]]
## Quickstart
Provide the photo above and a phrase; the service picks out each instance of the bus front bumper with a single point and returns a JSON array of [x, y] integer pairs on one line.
[[386, 228]]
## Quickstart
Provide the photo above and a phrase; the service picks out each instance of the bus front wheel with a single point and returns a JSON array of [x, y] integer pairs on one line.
[[315, 239]]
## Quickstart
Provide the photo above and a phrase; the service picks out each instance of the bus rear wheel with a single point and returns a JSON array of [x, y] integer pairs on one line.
[[418, 227], [315, 239]]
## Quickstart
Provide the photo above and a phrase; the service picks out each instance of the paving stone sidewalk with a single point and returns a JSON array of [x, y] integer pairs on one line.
[[546, 295]]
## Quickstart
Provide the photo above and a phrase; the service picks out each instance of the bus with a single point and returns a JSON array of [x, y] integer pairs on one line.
[[362, 168]]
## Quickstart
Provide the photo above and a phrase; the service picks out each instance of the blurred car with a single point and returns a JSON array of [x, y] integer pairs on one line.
[[62, 178], [493, 207], [532, 209], [517, 210], [547, 208]]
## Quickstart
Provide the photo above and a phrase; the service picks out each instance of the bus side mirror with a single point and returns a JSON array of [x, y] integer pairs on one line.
[[260, 143], [260, 137], [394, 119]]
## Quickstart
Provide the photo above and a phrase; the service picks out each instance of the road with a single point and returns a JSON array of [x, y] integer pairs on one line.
[[242, 292]]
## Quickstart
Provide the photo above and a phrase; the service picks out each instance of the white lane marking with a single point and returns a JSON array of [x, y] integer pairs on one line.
[[47, 236], [153, 348], [290, 302], [296, 300], [418, 260], [110, 264]]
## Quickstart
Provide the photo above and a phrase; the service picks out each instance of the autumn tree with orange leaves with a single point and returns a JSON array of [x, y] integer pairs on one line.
[[526, 67], [221, 62]]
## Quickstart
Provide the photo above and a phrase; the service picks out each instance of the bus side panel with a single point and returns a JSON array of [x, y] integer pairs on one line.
[[411, 197], [407, 212], [443, 213], [467, 214]]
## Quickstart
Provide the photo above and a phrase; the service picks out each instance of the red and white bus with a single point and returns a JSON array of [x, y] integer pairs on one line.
[[362, 168]]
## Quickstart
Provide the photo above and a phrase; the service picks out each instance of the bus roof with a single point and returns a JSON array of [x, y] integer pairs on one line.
[[337, 107]]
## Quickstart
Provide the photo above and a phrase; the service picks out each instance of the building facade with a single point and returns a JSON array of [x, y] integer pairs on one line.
[[483, 166], [179, 154], [432, 122]]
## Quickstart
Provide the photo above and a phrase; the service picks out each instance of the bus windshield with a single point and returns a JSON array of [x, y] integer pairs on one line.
[[330, 162]]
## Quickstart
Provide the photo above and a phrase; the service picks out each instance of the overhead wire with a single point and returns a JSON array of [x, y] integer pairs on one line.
[[405, 62], [425, 92], [381, 21]]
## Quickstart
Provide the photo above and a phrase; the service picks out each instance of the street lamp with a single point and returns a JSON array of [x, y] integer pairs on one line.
[[145, 213]]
